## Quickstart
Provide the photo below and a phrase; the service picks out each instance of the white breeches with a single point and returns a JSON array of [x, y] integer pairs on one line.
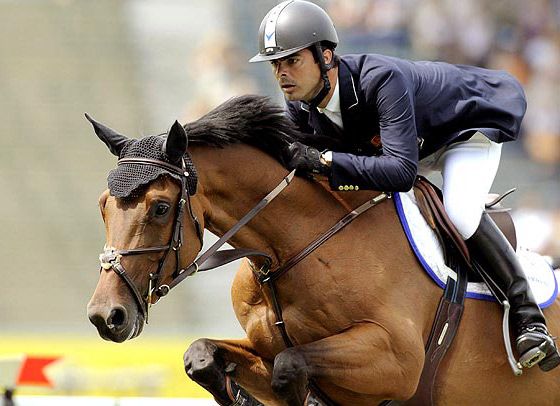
[[468, 170]]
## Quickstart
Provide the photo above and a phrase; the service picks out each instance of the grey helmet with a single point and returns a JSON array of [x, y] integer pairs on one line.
[[292, 26]]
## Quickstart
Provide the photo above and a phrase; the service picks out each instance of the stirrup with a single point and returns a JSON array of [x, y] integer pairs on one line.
[[536, 346], [514, 365]]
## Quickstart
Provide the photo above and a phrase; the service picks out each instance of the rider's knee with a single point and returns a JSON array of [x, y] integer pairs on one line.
[[465, 217]]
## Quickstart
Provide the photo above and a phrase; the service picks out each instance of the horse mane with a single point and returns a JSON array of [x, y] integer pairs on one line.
[[252, 120]]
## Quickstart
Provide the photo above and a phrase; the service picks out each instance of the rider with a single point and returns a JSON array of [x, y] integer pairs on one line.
[[397, 117]]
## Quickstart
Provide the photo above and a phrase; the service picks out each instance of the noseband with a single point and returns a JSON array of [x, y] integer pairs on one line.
[[110, 259]]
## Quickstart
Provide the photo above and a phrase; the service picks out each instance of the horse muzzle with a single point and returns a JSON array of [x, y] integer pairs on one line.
[[115, 323]]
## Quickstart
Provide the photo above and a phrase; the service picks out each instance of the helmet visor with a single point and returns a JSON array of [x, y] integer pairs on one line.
[[263, 57]]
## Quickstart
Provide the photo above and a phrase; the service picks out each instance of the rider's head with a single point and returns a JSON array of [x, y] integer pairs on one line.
[[299, 38]]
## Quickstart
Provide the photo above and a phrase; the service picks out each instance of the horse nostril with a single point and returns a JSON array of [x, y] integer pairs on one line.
[[117, 317]]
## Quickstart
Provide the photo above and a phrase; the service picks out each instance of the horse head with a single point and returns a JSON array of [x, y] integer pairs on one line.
[[149, 210]]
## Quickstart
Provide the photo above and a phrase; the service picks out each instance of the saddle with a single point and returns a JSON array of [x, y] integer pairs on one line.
[[430, 203]]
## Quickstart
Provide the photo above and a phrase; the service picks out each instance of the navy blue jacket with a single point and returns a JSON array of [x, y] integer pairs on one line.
[[405, 102]]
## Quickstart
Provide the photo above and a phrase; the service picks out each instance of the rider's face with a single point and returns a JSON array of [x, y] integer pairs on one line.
[[298, 76]]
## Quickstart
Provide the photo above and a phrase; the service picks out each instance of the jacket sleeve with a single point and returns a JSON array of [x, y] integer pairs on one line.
[[396, 168]]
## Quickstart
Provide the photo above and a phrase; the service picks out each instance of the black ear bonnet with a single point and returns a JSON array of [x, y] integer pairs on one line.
[[129, 180]]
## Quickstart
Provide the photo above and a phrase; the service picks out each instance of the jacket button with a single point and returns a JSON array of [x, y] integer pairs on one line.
[[341, 187]]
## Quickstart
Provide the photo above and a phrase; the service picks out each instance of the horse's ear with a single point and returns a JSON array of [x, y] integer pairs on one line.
[[111, 138], [176, 143]]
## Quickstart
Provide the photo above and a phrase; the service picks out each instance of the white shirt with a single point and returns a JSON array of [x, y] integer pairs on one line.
[[332, 109]]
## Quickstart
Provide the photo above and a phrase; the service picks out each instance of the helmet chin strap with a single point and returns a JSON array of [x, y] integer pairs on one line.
[[318, 52]]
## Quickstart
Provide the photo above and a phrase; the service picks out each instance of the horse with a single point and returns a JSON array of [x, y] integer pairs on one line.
[[358, 309]]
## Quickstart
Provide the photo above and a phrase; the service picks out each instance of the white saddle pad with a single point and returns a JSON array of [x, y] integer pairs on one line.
[[428, 250]]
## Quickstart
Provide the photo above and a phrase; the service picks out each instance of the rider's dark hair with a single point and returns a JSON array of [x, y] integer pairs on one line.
[[324, 46]]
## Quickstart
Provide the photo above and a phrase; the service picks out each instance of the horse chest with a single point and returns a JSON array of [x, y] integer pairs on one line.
[[261, 331], [258, 320], [314, 312]]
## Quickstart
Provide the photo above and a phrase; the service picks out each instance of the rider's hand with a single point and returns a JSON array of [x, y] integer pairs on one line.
[[306, 159]]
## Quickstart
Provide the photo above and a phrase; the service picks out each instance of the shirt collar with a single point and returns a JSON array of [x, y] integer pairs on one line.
[[334, 103]]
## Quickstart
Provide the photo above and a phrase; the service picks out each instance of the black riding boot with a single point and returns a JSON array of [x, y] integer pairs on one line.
[[494, 253]]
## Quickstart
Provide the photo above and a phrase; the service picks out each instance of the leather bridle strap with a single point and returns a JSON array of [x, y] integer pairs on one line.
[[110, 258], [276, 274], [218, 258]]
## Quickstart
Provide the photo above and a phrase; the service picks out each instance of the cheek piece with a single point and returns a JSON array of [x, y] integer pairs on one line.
[[318, 55]]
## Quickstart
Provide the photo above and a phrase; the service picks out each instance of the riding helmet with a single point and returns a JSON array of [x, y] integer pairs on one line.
[[292, 26]]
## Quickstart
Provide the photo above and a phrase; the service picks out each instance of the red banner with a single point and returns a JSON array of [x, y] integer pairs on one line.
[[32, 371]]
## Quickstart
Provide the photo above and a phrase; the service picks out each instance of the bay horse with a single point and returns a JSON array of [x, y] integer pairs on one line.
[[358, 309]]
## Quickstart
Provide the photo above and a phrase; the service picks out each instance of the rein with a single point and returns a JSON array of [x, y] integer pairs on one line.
[[212, 258]]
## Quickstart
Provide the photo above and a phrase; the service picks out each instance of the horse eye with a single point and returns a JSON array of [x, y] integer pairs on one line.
[[162, 209]]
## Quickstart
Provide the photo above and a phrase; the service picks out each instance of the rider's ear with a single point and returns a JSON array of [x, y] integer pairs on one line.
[[111, 138], [328, 56], [176, 144]]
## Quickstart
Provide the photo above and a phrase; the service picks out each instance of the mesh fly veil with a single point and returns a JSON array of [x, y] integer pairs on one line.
[[129, 180]]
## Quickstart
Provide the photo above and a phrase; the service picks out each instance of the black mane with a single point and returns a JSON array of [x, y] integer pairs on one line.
[[252, 120]]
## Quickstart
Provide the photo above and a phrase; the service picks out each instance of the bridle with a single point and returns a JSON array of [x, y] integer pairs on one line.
[[110, 259]]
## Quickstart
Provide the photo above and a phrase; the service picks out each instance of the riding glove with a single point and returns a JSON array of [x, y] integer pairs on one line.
[[306, 159]]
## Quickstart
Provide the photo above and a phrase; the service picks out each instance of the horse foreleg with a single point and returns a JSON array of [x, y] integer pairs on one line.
[[231, 371], [362, 365]]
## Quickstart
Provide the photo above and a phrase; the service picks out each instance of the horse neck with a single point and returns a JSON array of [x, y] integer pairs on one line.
[[234, 179]]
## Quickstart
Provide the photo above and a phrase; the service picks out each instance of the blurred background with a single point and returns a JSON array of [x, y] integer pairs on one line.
[[138, 65]]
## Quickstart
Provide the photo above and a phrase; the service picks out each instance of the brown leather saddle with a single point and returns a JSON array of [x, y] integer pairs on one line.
[[430, 202]]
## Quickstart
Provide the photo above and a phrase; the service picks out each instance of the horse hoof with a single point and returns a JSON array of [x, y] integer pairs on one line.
[[289, 376], [203, 365]]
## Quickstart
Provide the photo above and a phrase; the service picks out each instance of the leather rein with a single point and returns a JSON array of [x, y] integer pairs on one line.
[[212, 258]]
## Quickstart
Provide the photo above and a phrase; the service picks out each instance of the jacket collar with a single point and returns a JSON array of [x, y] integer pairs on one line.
[[349, 101], [348, 91], [349, 104]]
